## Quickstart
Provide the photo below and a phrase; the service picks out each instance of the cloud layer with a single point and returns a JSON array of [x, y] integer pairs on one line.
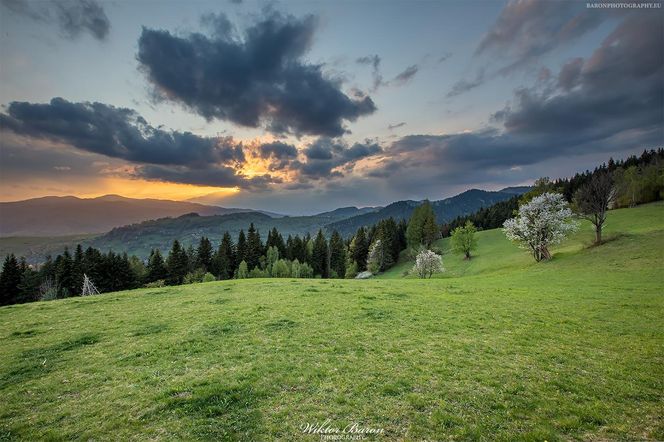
[[257, 80]]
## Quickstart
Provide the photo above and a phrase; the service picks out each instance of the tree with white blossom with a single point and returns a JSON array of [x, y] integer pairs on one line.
[[544, 221], [427, 263]]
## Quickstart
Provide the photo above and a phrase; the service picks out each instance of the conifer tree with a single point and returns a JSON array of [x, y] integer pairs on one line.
[[156, 267], [204, 254], [319, 256], [10, 280], [241, 249], [176, 263], [254, 247], [360, 248], [337, 255]]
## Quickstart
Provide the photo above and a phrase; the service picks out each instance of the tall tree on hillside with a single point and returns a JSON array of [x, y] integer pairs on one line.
[[177, 264], [254, 247], [274, 239], [360, 248], [422, 228], [337, 255], [241, 249], [592, 201], [464, 239], [64, 274], [156, 269], [10, 280], [204, 254], [319, 255], [224, 258]]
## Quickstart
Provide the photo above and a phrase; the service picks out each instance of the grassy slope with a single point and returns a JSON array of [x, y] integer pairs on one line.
[[569, 349]]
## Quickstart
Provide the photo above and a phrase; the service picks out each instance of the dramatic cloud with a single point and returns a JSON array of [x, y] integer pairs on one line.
[[257, 80], [218, 176], [279, 154], [115, 132], [325, 154], [74, 17]]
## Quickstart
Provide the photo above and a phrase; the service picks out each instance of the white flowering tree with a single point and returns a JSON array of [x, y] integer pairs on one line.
[[544, 221], [427, 263]]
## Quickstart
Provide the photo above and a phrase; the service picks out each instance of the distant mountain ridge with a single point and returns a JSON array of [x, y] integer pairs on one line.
[[69, 215], [445, 210]]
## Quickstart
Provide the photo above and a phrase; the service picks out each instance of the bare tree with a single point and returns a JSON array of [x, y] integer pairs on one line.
[[593, 199]]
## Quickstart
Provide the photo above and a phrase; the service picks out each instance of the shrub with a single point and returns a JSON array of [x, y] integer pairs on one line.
[[155, 284], [209, 277]]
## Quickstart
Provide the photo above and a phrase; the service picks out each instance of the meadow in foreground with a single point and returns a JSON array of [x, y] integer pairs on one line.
[[497, 348]]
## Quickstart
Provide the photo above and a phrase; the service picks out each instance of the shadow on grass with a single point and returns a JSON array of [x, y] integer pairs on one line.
[[37, 362], [218, 412]]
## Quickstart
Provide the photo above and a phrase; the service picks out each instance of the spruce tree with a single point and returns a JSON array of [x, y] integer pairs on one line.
[[319, 256], [65, 276], [176, 263], [337, 255], [156, 267], [223, 260], [254, 248], [360, 249], [241, 249], [10, 280], [204, 254]]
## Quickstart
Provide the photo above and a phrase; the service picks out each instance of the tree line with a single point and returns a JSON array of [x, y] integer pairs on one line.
[[248, 256], [635, 180]]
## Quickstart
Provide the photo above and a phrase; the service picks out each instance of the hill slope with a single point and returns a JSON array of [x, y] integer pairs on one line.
[[51, 215], [445, 210], [504, 349]]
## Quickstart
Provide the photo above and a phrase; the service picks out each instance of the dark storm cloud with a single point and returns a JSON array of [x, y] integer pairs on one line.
[[257, 80], [280, 155], [74, 17], [326, 154], [115, 132]]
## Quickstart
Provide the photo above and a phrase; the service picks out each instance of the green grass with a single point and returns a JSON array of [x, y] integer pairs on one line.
[[498, 348]]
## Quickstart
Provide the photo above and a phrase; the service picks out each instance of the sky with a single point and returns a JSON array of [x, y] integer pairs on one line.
[[301, 106]]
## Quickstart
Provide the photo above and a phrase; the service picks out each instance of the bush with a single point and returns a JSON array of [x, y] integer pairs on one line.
[[209, 277], [155, 284]]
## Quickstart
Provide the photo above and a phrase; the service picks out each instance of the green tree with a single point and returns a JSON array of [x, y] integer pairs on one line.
[[254, 247], [337, 255], [204, 254], [360, 248], [64, 275], [319, 258], [10, 280], [242, 270], [272, 256], [156, 269], [464, 239], [422, 228], [223, 259], [241, 249], [177, 264]]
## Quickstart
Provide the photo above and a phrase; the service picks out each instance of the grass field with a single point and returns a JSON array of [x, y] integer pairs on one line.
[[498, 348]]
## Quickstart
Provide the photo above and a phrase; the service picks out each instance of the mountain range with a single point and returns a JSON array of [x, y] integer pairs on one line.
[[69, 215], [136, 226]]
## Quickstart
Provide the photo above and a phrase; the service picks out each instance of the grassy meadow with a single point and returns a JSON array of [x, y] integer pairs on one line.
[[496, 348]]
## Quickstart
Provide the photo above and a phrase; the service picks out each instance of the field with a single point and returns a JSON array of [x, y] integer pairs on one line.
[[497, 348]]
